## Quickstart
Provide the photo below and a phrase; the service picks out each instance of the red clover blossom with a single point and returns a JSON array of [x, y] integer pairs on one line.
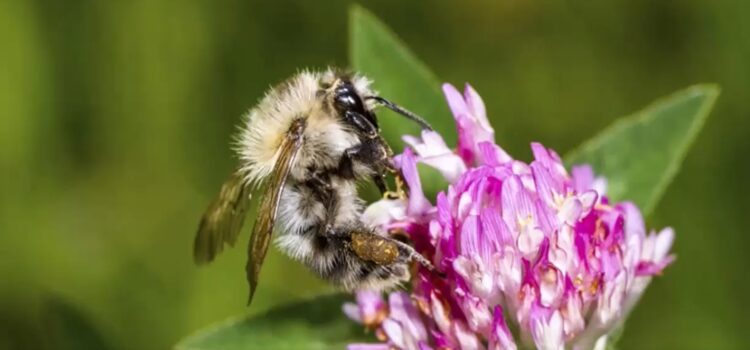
[[533, 256]]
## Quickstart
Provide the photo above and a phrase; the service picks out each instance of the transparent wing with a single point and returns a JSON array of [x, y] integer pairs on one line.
[[269, 206], [222, 221]]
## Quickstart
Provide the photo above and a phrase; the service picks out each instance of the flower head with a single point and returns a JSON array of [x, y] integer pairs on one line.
[[523, 246]]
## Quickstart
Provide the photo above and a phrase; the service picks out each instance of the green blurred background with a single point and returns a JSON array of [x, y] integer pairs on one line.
[[117, 118]]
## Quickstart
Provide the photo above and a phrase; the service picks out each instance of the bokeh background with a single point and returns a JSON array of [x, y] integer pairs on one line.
[[116, 119]]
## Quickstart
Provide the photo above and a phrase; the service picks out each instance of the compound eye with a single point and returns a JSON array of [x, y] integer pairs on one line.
[[347, 99]]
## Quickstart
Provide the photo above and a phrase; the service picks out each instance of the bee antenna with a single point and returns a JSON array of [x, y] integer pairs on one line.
[[400, 110]]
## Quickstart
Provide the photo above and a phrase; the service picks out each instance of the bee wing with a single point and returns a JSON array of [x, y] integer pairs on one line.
[[263, 227], [222, 221]]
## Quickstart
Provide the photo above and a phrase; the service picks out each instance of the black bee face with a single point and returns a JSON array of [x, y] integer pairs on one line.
[[345, 97], [350, 105]]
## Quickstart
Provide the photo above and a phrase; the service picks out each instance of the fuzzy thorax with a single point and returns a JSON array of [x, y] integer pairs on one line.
[[306, 95]]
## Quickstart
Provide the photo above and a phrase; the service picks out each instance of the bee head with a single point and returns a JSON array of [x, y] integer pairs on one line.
[[350, 96], [348, 102]]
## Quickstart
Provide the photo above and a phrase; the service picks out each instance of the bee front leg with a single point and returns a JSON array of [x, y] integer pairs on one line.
[[346, 163], [379, 180], [402, 190], [369, 154], [366, 155]]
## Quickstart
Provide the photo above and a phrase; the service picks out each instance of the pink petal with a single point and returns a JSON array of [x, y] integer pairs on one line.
[[471, 122], [633, 219], [550, 286], [573, 321], [469, 240], [663, 243], [588, 199], [433, 152], [547, 186], [384, 212], [583, 178], [476, 106], [440, 315], [418, 203], [394, 332], [570, 211], [562, 255], [465, 204], [509, 271], [547, 329], [517, 203], [492, 154], [455, 100], [443, 340], [495, 233], [467, 139], [611, 300], [529, 240], [351, 310], [430, 144], [476, 311], [600, 186], [500, 338], [467, 340], [404, 311], [449, 166], [549, 159], [648, 268], [545, 218], [371, 305]]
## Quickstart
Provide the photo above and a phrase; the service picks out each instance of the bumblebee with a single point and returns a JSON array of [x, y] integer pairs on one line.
[[309, 141]]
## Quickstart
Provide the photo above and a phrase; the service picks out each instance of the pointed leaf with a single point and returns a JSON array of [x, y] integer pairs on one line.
[[398, 75], [317, 323], [640, 154], [401, 77], [68, 327]]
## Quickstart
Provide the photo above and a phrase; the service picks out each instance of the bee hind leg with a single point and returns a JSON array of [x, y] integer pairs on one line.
[[352, 271], [385, 250], [413, 255]]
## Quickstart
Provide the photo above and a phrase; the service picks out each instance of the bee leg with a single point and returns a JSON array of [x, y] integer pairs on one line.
[[361, 123], [369, 154], [402, 189], [374, 247], [346, 163], [413, 255], [379, 180]]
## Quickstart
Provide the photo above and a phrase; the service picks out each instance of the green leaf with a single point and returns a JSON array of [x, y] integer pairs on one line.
[[401, 77], [398, 75], [614, 336], [640, 154], [67, 327], [317, 323]]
